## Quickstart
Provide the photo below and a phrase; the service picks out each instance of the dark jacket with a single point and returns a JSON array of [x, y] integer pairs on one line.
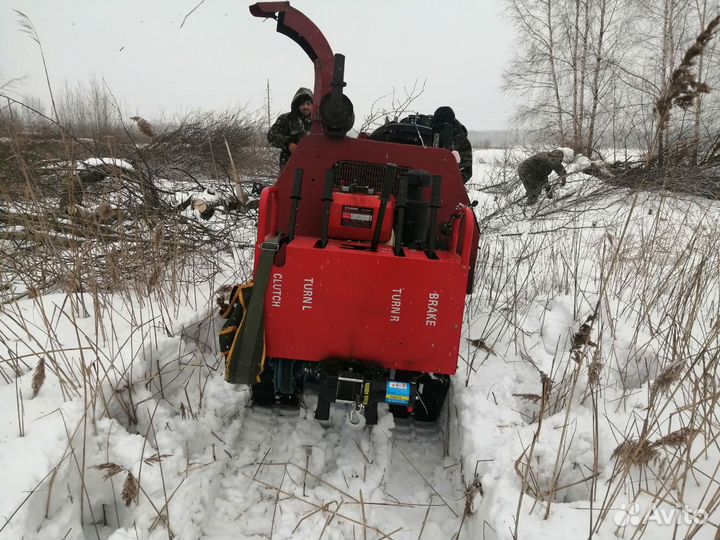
[[290, 127], [464, 148], [540, 166], [461, 143]]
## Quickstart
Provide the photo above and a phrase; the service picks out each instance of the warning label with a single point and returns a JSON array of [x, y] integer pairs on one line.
[[397, 393], [355, 216]]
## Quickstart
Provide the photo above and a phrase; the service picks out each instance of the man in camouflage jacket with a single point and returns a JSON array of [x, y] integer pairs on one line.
[[534, 172], [290, 127]]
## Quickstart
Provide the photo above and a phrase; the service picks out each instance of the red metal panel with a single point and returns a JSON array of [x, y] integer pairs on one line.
[[397, 312]]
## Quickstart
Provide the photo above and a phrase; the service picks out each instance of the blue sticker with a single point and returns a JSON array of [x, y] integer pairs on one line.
[[397, 393]]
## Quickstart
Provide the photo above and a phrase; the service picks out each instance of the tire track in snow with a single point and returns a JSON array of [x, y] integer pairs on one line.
[[288, 476]]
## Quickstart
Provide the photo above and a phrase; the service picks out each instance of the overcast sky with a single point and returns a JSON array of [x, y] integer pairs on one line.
[[222, 56]]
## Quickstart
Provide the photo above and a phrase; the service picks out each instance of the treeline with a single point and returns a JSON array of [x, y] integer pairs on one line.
[[643, 74], [86, 120], [89, 110]]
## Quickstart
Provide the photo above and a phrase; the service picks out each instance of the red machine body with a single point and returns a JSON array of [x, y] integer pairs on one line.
[[345, 301]]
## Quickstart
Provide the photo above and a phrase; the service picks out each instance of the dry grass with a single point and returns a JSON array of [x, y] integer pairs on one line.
[[113, 246], [144, 126], [142, 270], [643, 287], [105, 228], [131, 489], [38, 378], [635, 453]]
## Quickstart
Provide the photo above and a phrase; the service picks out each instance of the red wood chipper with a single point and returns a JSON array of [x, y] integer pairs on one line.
[[365, 253]]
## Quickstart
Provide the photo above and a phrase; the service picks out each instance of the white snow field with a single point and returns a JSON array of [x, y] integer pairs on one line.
[[133, 433]]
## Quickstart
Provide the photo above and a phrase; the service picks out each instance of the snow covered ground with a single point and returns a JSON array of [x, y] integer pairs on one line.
[[134, 434]]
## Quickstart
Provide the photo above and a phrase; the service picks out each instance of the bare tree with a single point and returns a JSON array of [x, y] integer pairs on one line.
[[534, 71], [593, 72], [681, 89]]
